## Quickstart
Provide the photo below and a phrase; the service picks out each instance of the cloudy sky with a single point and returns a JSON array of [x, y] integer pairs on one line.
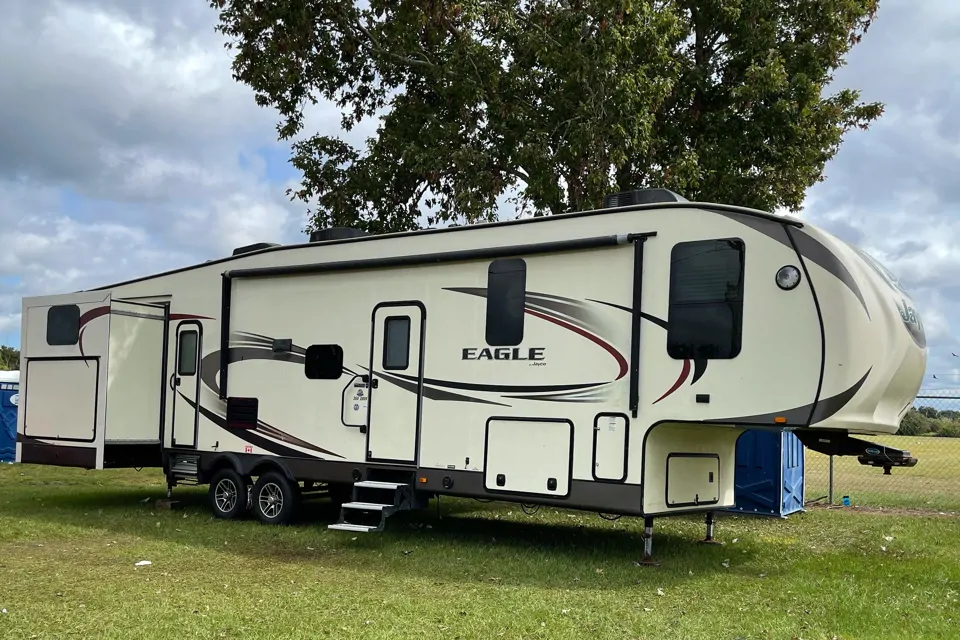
[[126, 148]]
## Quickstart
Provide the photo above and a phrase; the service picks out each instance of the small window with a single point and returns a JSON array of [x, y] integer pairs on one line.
[[706, 299], [63, 325], [396, 343], [506, 293], [187, 353], [323, 362]]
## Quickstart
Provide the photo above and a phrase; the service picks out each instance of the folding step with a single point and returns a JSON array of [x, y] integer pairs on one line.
[[366, 506], [184, 469], [373, 502], [346, 526], [377, 484]]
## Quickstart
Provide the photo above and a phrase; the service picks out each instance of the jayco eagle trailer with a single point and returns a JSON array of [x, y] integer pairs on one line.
[[604, 360]]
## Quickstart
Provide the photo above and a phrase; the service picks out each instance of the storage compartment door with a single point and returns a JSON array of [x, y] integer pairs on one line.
[[693, 479], [610, 447], [529, 456]]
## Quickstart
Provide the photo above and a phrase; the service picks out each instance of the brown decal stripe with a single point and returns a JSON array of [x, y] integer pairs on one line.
[[568, 313], [806, 415], [254, 438], [501, 388], [699, 364], [87, 317], [809, 247], [684, 372], [409, 383]]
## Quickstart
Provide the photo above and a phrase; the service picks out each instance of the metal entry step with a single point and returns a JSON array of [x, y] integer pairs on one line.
[[374, 501]]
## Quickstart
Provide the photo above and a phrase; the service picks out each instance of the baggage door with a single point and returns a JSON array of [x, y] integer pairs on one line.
[[396, 382]]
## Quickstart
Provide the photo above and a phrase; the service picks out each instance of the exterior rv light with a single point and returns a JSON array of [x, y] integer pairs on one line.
[[788, 277]]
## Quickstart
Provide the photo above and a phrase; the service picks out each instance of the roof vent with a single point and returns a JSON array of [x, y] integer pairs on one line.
[[641, 196], [256, 246], [336, 233]]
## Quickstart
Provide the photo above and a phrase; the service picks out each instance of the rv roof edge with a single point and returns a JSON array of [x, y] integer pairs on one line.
[[435, 258], [705, 206]]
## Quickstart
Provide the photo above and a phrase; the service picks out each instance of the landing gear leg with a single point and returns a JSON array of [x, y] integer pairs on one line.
[[648, 560], [710, 539]]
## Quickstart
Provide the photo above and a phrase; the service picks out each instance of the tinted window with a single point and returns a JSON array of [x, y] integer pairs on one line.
[[323, 362], [187, 353], [706, 299], [506, 290], [396, 342], [63, 325]]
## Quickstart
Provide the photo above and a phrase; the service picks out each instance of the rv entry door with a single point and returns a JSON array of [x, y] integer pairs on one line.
[[396, 382], [185, 383]]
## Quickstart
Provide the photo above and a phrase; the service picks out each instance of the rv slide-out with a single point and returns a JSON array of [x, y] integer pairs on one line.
[[95, 380]]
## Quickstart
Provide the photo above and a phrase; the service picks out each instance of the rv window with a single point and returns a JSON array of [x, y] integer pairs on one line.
[[63, 325], [706, 299], [187, 353], [506, 290], [323, 362], [396, 343]]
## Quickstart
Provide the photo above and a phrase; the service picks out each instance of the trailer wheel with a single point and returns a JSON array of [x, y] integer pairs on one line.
[[228, 494], [274, 498]]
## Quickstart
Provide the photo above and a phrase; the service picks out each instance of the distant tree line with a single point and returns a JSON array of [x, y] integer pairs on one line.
[[922, 421], [9, 358]]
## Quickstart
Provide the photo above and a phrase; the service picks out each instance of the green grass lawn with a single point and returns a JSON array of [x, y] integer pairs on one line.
[[69, 541], [933, 484]]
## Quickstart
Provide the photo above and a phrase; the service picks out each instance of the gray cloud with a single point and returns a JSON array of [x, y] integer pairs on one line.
[[893, 189]]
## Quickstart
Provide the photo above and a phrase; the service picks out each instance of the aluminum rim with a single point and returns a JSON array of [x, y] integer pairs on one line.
[[226, 495], [271, 500]]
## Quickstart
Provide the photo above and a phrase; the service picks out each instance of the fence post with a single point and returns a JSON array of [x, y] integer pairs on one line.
[[830, 488]]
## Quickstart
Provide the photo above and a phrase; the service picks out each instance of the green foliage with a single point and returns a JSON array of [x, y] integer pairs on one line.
[[921, 421], [561, 101], [947, 429], [9, 358], [914, 424]]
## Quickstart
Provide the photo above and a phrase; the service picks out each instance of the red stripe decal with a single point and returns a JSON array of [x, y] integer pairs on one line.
[[93, 314], [589, 336], [676, 385]]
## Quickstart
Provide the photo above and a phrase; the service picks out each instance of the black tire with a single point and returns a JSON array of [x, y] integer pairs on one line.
[[274, 498], [228, 494]]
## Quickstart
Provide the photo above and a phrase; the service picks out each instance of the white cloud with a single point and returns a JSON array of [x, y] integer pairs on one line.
[[126, 147]]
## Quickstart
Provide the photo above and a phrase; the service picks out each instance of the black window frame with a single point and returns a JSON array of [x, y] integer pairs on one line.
[[196, 353], [70, 323], [731, 300], [329, 355], [386, 343], [505, 310]]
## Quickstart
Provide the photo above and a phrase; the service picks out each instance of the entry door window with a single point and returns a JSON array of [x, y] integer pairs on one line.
[[187, 350], [396, 343]]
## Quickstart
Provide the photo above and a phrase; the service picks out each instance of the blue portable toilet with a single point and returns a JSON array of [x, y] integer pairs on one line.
[[769, 474], [9, 399]]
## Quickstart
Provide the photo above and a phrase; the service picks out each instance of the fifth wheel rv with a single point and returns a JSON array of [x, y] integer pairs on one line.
[[604, 360]]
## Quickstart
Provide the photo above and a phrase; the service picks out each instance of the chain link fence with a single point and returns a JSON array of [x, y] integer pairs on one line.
[[930, 432]]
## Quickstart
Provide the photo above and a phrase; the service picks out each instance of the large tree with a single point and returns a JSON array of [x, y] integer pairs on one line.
[[558, 101], [9, 358]]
